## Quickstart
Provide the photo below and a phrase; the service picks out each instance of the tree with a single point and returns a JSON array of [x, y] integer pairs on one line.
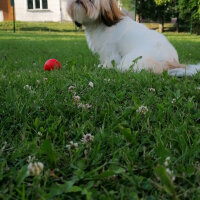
[[146, 9], [186, 11], [162, 2], [190, 9], [164, 8]]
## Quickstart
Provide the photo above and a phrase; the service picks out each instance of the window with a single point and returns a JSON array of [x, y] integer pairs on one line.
[[37, 4], [44, 4], [30, 4]]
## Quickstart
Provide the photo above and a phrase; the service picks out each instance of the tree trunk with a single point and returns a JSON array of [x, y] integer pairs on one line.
[[161, 25], [163, 22], [177, 24]]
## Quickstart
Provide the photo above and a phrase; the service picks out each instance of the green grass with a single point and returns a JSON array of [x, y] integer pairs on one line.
[[59, 27], [126, 158], [38, 26]]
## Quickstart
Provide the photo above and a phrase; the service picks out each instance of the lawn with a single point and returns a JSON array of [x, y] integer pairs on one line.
[[144, 141]]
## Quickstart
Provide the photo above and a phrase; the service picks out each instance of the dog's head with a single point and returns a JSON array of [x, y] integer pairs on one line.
[[94, 11]]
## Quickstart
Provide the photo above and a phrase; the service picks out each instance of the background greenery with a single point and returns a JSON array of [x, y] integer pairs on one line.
[[186, 11]]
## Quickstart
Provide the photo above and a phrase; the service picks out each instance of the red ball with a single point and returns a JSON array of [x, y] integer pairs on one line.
[[51, 64]]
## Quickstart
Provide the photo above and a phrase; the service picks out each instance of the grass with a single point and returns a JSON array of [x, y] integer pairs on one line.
[[38, 26], [127, 158], [62, 27]]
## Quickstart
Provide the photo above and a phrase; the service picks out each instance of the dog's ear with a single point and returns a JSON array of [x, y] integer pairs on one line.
[[110, 14], [69, 8]]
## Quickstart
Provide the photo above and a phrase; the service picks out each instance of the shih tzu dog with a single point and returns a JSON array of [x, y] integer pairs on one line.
[[119, 39]]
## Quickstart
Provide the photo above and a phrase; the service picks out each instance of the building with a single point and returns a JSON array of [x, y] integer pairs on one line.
[[35, 10]]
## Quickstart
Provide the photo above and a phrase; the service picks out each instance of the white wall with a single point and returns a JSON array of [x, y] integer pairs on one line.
[[52, 14]]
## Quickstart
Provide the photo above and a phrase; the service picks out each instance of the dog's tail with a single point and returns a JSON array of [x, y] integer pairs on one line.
[[188, 70]]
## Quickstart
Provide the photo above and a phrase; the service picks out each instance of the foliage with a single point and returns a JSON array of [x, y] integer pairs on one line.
[[186, 11], [189, 9], [144, 9], [149, 9], [162, 2]]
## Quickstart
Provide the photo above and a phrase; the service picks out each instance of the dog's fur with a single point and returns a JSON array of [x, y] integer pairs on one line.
[[117, 37]]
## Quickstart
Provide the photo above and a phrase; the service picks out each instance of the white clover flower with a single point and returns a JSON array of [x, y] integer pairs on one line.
[[91, 84], [31, 159], [35, 169], [72, 145], [27, 87], [84, 106], [87, 139], [142, 109], [76, 99], [81, 105], [173, 101], [39, 133], [197, 88], [152, 89], [38, 81], [167, 160], [45, 79], [169, 171], [107, 80], [88, 106], [171, 174], [71, 88]]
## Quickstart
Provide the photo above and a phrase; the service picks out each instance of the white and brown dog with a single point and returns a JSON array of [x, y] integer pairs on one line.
[[117, 37]]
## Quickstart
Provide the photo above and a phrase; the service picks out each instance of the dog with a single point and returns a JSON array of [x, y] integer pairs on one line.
[[120, 41]]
